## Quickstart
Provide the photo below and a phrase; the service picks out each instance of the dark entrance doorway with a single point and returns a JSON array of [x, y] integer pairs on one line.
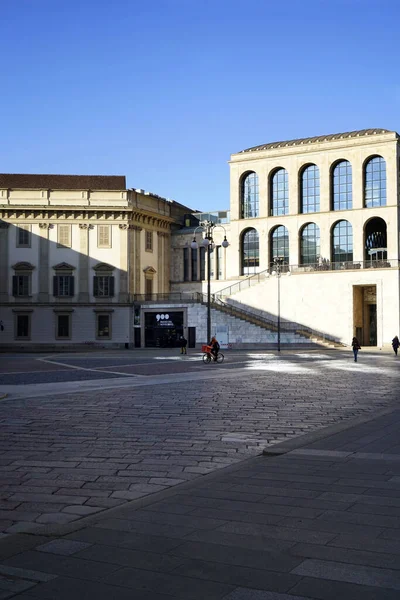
[[364, 315], [163, 329]]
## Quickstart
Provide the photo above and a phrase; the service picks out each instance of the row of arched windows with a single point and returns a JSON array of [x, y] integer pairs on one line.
[[341, 189], [309, 244]]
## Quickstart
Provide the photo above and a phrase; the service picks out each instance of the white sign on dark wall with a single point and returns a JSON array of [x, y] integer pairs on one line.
[[163, 320]]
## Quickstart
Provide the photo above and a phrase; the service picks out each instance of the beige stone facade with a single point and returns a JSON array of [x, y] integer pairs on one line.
[[72, 260], [351, 286]]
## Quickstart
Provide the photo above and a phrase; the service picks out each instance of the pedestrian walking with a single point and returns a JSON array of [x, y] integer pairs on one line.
[[395, 344], [183, 342], [355, 344]]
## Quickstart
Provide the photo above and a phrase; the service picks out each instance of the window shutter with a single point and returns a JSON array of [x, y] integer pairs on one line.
[[71, 285], [111, 279], [55, 285], [15, 285], [95, 286]]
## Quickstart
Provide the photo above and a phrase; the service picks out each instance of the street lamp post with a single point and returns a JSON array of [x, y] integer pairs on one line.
[[208, 242], [277, 265]]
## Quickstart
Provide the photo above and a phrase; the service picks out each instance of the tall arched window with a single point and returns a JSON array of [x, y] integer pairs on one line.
[[342, 186], [250, 252], [309, 244], [310, 190], [249, 196], [342, 243], [375, 182], [279, 244], [280, 193]]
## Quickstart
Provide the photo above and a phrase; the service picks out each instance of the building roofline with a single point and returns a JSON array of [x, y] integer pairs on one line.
[[318, 139]]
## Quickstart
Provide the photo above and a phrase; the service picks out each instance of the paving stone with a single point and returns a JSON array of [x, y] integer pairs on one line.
[[161, 529], [63, 546], [68, 566], [122, 539], [151, 561], [65, 588], [59, 518], [256, 557], [13, 586], [82, 510], [178, 587], [324, 589], [243, 576], [25, 574], [349, 573], [356, 557], [251, 594]]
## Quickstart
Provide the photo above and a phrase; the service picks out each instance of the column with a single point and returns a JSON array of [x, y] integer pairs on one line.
[[123, 262], [83, 268], [4, 266], [43, 266]]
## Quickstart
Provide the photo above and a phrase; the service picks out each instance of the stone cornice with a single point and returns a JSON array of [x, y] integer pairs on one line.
[[28, 213]]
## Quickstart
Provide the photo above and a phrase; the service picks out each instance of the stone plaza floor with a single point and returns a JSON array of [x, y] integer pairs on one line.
[[159, 484]]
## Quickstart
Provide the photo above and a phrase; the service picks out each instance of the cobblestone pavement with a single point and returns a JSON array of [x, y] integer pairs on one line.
[[67, 456]]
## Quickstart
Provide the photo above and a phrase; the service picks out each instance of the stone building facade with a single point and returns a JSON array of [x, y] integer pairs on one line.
[[321, 215], [74, 252]]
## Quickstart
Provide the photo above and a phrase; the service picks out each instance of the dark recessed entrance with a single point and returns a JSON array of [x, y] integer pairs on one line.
[[364, 315], [163, 329]]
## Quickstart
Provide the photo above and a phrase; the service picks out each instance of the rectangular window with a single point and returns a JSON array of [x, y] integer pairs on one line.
[[202, 263], [64, 236], [104, 236], [149, 241], [103, 286], [194, 264], [63, 286], [23, 323], [103, 327], [63, 326], [23, 236], [21, 285], [186, 264]]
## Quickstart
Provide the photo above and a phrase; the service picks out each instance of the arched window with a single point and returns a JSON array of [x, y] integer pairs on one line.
[[250, 252], [249, 196], [310, 190], [280, 193], [375, 235], [342, 243], [309, 244], [342, 186], [375, 182], [279, 244]]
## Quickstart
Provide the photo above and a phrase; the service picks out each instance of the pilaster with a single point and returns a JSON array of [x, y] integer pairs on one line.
[[4, 280], [43, 266], [123, 273], [83, 271]]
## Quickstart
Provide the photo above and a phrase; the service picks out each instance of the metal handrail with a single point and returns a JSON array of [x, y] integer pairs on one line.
[[316, 267]]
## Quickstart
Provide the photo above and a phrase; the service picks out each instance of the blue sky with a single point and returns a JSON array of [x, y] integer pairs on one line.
[[164, 91]]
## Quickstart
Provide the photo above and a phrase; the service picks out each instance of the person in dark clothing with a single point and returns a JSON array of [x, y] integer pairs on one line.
[[183, 342], [395, 344], [355, 344], [214, 347]]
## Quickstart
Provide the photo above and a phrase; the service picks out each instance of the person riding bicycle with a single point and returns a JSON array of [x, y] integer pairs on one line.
[[214, 347]]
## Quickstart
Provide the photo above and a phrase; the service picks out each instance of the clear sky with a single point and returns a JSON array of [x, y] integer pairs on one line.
[[164, 91]]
